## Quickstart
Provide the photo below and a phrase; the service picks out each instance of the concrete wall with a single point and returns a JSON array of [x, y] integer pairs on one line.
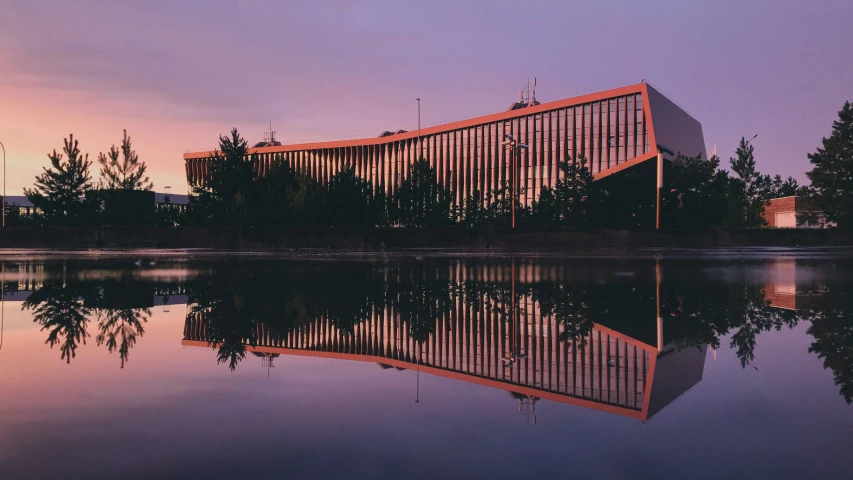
[[457, 240]]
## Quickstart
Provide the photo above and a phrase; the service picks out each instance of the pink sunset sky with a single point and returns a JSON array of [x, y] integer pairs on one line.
[[178, 73]]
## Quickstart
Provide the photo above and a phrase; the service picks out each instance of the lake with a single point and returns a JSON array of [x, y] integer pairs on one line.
[[199, 365]]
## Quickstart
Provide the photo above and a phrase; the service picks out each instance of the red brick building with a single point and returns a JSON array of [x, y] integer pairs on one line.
[[782, 213]]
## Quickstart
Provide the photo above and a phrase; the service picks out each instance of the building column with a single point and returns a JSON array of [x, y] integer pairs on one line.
[[658, 189]]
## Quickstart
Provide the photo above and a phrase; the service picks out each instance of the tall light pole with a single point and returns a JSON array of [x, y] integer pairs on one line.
[[514, 155], [4, 184], [420, 150], [659, 182]]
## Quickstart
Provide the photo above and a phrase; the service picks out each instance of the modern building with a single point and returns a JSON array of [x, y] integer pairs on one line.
[[613, 130]]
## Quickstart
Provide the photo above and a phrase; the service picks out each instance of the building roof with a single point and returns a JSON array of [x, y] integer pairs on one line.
[[19, 200]]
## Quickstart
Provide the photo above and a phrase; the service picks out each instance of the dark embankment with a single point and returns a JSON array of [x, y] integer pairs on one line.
[[390, 239]]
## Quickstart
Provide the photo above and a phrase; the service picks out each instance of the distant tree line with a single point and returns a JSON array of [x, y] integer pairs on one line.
[[66, 194], [697, 193]]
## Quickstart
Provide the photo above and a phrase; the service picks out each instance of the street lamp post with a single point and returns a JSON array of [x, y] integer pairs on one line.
[[4, 184], [514, 155], [420, 150]]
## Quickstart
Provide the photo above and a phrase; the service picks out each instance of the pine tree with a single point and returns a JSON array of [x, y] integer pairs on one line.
[[421, 201], [227, 195], [350, 201], [127, 174], [578, 198], [750, 187], [695, 193], [832, 175], [60, 190]]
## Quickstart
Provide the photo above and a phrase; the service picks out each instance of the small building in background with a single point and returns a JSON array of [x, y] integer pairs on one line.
[[170, 201], [115, 205], [21, 203], [784, 212]]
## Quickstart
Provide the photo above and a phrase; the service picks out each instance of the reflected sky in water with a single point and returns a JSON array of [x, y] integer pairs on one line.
[[170, 367]]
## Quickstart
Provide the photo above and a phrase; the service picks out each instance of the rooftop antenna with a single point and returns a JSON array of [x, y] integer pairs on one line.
[[533, 100], [267, 361], [269, 135]]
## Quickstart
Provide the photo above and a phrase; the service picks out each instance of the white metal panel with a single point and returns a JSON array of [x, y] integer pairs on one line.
[[786, 220]]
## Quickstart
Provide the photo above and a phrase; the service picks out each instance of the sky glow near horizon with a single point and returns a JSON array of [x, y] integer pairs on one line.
[[176, 74]]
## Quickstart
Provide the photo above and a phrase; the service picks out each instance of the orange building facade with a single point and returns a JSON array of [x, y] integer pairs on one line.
[[613, 130]]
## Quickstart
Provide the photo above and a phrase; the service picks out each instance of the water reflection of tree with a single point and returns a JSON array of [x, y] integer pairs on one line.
[[698, 313], [351, 294], [118, 329], [65, 304], [421, 295], [243, 307], [60, 307], [830, 313]]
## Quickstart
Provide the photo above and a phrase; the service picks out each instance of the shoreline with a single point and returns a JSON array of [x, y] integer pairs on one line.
[[407, 242]]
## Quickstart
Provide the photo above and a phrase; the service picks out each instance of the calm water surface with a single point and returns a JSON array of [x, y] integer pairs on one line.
[[173, 366]]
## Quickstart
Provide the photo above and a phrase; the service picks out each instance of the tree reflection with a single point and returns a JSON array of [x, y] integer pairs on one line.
[[700, 312], [830, 314], [118, 329], [64, 304], [59, 307], [242, 308]]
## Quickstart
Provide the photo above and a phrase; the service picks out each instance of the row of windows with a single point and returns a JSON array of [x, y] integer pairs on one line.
[[473, 161]]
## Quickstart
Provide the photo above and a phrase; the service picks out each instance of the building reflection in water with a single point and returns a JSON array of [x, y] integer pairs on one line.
[[626, 337], [498, 331]]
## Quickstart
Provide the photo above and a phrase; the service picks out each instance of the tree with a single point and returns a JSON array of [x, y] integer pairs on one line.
[[546, 211], [127, 174], [783, 188], [275, 208], [695, 193], [350, 201], [226, 196], [832, 175], [576, 200], [118, 329], [421, 201], [60, 191], [750, 187], [307, 202], [60, 307]]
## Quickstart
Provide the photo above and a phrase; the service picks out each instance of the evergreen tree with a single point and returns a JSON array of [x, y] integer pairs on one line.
[[750, 187], [60, 192], [578, 199], [421, 201], [350, 201], [275, 209], [695, 193], [307, 202], [546, 211], [127, 174], [118, 329], [226, 195], [783, 188], [832, 175]]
